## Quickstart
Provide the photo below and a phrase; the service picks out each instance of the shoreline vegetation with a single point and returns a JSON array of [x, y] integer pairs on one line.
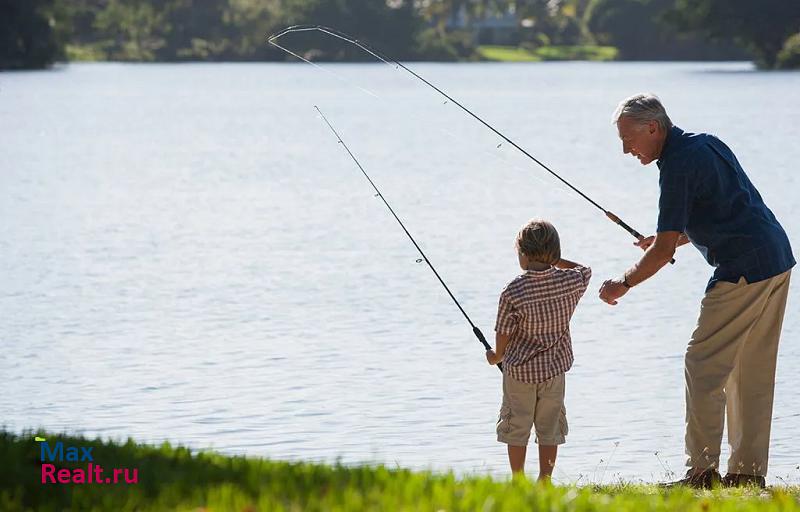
[[499, 53], [177, 478], [483, 53], [35, 34]]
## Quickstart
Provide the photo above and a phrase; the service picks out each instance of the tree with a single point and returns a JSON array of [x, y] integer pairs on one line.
[[134, 28], [639, 31], [763, 26], [789, 56], [27, 38], [630, 25], [390, 25], [547, 22]]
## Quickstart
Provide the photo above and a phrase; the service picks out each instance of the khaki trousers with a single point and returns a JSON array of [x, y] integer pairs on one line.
[[730, 364]]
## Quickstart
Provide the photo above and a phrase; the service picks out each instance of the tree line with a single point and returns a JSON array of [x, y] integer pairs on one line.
[[37, 33]]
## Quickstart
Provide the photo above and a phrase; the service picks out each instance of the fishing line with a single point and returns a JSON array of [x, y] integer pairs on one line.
[[475, 330], [337, 76], [399, 65], [418, 117]]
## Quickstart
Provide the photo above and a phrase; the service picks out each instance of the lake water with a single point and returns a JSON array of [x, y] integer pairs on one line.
[[187, 254]]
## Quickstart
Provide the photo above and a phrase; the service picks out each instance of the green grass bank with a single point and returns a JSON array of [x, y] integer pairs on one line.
[[520, 54], [176, 478]]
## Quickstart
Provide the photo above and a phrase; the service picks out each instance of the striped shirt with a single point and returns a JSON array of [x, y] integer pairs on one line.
[[534, 310]]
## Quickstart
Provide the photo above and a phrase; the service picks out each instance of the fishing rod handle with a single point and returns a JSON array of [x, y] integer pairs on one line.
[[629, 229], [482, 339]]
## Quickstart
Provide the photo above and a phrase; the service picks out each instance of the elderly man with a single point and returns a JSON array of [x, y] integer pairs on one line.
[[707, 199]]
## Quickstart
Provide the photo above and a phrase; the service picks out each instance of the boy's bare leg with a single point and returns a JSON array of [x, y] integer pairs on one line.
[[516, 457], [547, 461]]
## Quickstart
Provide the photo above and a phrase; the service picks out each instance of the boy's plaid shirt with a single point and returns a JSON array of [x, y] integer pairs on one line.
[[535, 309]]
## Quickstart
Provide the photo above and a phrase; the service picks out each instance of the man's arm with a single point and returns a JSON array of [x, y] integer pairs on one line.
[[646, 242], [655, 257]]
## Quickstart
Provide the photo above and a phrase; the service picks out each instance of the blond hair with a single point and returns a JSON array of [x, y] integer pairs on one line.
[[538, 240]]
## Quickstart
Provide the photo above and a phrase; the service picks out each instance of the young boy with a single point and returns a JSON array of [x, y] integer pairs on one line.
[[534, 345]]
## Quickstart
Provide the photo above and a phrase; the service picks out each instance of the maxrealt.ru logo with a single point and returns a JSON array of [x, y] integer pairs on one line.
[[93, 473]]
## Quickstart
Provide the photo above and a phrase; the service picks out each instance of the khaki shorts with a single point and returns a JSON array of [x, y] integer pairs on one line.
[[539, 405]]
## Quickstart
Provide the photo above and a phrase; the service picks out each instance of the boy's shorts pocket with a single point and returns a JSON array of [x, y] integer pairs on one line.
[[504, 420], [562, 422], [516, 412], [551, 414]]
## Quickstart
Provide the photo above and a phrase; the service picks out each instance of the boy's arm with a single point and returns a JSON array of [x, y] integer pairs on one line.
[[500, 343], [562, 263], [585, 271]]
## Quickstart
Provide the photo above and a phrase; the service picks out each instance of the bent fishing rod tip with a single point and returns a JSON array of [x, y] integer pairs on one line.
[[282, 32], [296, 28]]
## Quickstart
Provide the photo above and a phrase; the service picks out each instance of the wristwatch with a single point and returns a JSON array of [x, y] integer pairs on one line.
[[625, 281]]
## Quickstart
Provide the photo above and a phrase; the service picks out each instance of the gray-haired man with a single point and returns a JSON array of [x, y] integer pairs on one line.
[[707, 199]]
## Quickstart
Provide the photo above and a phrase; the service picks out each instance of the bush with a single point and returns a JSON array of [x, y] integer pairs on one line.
[[789, 56], [436, 46], [27, 38]]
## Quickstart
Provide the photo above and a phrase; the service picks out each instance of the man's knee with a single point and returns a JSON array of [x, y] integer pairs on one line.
[[706, 372]]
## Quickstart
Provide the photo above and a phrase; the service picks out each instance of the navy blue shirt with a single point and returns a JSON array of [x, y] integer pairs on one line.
[[706, 194]]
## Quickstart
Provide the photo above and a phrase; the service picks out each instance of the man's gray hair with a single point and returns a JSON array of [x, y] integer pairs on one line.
[[643, 108]]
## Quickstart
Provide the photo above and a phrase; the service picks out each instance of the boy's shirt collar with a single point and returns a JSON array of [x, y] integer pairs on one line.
[[539, 273]]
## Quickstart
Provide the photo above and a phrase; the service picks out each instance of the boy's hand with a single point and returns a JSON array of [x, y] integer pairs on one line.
[[491, 357], [612, 290]]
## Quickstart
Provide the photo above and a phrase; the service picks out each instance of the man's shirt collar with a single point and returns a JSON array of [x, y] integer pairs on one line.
[[670, 144]]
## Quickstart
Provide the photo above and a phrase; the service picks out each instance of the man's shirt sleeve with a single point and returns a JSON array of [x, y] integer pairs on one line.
[[677, 192]]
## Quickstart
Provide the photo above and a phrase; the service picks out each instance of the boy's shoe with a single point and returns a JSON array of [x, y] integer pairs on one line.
[[707, 479], [737, 480]]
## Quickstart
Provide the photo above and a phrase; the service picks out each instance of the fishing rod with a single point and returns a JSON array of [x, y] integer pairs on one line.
[[388, 60], [475, 330]]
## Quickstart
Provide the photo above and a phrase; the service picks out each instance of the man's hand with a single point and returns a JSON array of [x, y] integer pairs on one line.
[[491, 357], [645, 242], [658, 252], [612, 290]]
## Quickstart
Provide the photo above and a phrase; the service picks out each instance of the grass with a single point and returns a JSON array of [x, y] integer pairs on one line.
[[175, 478], [518, 54], [85, 53], [507, 54]]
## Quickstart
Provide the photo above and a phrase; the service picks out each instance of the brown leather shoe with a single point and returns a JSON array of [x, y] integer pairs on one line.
[[707, 479], [739, 480]]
